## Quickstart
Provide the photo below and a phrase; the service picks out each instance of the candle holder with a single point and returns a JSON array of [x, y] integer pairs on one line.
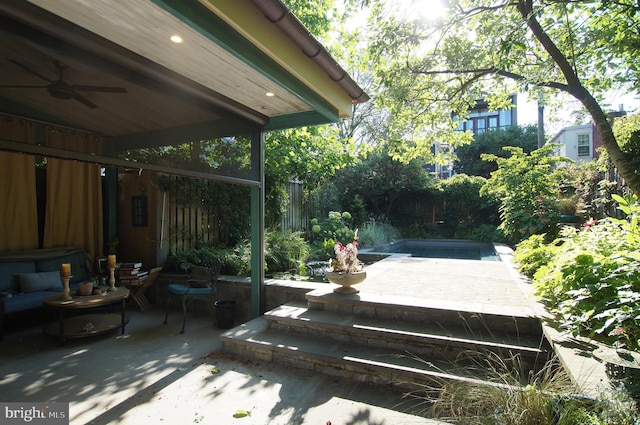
[[66, 295], [112, 279]]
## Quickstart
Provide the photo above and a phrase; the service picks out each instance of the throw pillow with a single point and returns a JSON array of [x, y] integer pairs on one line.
[[44, 281]]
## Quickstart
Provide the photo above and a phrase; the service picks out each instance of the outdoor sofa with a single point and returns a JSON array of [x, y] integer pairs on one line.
[[27, 277]]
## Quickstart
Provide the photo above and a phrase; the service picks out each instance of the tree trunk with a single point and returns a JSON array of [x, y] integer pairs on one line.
[[619, 159], [575, 88]]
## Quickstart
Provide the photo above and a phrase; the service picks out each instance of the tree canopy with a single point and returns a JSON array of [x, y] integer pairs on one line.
[[469, 157], [431, 71]]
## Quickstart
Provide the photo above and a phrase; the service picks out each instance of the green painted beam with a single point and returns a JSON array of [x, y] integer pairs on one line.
[[29, 148], [301, 119]]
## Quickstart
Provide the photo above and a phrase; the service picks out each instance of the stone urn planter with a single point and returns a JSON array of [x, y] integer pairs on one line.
[[346, 281]]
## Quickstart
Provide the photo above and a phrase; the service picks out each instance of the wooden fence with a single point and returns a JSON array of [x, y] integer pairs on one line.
[[189, 226], [300, 209]]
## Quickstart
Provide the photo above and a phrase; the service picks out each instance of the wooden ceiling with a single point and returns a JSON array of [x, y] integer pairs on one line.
[[212, 84]]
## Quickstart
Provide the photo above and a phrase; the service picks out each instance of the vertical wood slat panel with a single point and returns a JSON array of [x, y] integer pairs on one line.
[[204, 222], [298, 212], [191, 224]]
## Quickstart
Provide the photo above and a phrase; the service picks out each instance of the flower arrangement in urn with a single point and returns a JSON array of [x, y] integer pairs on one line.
[[345, 269], [346, 260]]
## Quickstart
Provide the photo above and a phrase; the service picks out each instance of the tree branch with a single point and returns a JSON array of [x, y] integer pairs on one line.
[[483, 72], [525, 7]]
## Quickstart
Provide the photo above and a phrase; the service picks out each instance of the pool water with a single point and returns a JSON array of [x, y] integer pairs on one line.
[[454, 249]]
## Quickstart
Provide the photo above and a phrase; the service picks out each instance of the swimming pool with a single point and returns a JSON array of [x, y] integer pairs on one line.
[[445, 248]]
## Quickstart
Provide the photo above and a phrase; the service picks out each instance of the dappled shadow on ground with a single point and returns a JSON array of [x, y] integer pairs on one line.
[[300, 397], [97, 373], [152, 374]]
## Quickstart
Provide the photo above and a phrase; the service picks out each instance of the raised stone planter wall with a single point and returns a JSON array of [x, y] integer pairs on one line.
[[277, 292]]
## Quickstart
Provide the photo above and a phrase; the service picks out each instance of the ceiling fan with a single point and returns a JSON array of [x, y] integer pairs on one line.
[[60, 89]]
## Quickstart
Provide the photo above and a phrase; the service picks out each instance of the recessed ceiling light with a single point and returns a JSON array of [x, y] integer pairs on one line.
[[176, 39], [270, 94]]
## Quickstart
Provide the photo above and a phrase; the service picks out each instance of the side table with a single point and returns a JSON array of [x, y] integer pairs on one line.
[[86, 325], [138, 288], [137, 294]]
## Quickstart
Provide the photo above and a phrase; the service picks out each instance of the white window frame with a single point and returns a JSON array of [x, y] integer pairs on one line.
[[584, 145]]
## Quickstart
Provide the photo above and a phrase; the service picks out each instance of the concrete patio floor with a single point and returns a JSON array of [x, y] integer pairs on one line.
[[152, 374]]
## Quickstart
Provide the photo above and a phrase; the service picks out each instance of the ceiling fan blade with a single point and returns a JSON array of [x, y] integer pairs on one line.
[[100, 89], [86, 102], [37, 74], [24, 87]]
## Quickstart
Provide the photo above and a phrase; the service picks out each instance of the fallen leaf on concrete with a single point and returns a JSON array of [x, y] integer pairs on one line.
[[241, 414]]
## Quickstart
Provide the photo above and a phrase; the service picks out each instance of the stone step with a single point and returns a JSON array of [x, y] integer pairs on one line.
[[253, 340], [447, 315], [423, 339]]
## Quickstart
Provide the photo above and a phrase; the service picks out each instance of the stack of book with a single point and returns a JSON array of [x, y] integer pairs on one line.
[[130, 274]]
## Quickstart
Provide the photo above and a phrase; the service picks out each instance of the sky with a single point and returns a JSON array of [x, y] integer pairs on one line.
[[555, 120]]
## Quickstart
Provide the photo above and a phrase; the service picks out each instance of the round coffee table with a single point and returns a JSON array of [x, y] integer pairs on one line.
[[84, 325]]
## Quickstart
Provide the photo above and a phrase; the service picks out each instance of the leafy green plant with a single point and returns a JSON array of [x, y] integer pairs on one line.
[[533, 253], [592, 285], [478, 232], [285, 251], [376, 234], [324, 235], [528, 189], [184, 259]]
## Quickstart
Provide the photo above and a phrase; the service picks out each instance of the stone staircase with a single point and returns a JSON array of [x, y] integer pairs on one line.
[[405, 343]]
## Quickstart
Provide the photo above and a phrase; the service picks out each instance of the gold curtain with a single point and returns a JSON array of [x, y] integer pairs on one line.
[[73, 213], [18, 208]]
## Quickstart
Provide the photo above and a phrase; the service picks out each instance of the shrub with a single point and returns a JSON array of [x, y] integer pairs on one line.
[[533, 253], [479, 232], [592, 285], [185, 259], [285, 251], [238, 261], [527, 189], [376, 234], [324, 235]]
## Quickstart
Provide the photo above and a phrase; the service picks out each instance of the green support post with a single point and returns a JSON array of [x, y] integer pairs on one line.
[[257, 227]]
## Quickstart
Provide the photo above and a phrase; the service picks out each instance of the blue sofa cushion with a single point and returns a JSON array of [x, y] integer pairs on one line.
[[8, 274], [44, 281], [77, 261], [178, 289], [22, 302]]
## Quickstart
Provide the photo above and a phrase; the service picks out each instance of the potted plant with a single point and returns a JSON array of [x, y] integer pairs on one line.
[[85, 288], [569, 209], [345, 269]]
